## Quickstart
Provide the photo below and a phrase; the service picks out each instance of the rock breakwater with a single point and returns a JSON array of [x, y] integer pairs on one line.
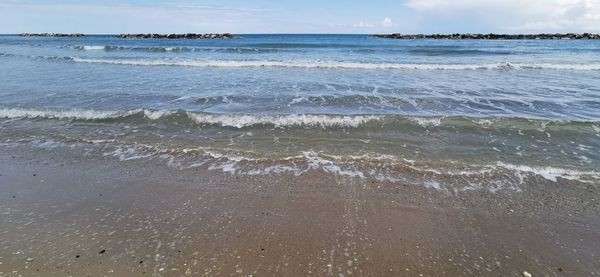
[[177, 36], [50, 35], [491, 36]]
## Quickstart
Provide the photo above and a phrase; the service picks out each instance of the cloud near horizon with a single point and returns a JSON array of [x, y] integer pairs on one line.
[[521, 15], [385, 23], [309, 16]]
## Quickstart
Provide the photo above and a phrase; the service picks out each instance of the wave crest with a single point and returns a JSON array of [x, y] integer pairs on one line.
[[159, 49], [334, 64], [181, 117]]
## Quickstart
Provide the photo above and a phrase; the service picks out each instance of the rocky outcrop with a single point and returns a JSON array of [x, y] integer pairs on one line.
[[50, 35], [177, 36], [491, 36]]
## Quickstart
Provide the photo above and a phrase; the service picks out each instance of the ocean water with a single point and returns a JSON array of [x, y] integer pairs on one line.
[[446, 114]]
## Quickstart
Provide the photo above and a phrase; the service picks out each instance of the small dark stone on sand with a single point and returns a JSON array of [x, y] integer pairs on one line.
[[141, 262], [14, 196], [102, 252], [34, 175], [560, 269], [77, 256], [262, 249]]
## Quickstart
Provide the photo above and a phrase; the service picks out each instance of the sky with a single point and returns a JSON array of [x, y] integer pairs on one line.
[[307, 16]]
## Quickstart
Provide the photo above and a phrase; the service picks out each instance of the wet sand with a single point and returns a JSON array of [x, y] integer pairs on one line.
[[65, 214]]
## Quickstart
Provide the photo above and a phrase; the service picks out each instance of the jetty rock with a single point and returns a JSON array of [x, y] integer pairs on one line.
[[177, 36], [491, 36], [50, 35]]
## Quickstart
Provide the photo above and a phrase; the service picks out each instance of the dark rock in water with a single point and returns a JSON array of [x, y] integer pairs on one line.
[[50, 35], [491, 36], [177, 36]]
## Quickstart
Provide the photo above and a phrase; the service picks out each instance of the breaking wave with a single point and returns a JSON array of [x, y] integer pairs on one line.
[[237, 121], [186, 118], [116, 48], [162, 49], [334, 64]]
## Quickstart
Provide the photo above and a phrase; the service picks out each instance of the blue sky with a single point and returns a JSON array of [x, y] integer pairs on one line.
[[308, 16]]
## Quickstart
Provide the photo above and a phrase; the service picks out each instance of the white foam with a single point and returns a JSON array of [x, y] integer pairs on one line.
[[333, 64], [485, 123], [275, 169], [157, 114], [63, 114], [315, 161], [240, 121], [93, 47], [426, 122], [237, 121], [129, 153], [552, 173]]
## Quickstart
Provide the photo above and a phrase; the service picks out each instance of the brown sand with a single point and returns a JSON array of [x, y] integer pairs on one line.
[[64, 215]]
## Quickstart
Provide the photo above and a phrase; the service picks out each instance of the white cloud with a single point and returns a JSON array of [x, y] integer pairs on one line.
[[362, 24], [387, 22], [539, 15]]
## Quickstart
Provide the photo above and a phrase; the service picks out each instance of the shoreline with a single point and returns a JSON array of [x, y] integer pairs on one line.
[[138, 218]]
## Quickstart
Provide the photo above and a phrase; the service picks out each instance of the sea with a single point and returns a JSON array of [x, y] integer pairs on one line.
[[449, 115]]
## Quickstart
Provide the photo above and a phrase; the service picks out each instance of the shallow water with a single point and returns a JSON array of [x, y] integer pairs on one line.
[[345, 104]]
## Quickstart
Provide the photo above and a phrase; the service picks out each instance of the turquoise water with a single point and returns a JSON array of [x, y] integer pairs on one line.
[[330, 100]]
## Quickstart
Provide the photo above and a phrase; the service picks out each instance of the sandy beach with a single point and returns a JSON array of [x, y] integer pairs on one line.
[[64, 214], [299, 138]]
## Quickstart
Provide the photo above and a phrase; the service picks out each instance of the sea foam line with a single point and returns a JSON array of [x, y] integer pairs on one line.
[[240, 121], [237, 121], [245, 120], [114, 47], [334, 64], [63, 114], [352, 166], [551, 173]]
